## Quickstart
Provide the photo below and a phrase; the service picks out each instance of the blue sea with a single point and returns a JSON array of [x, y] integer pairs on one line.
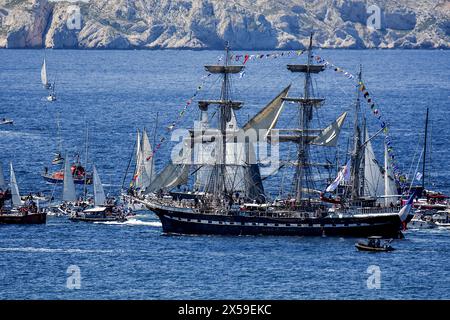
[[113, 93]]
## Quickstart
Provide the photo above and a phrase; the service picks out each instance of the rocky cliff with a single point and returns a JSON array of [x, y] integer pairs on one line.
[[247, 24]]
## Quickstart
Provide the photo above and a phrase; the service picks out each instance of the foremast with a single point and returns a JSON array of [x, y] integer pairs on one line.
[[357, 152]]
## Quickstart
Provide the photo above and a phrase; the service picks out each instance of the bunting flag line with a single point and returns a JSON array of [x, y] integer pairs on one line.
[[237, 57], [252, 57], [398, 176], [181, 113]]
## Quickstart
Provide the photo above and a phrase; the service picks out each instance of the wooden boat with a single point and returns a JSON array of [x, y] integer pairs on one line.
[[374, 245]]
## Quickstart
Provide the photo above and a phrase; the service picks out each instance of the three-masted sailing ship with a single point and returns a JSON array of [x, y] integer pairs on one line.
[[221, 203]]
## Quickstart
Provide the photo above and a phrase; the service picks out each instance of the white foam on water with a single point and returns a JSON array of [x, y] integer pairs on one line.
[[133, 222], [53, 250]]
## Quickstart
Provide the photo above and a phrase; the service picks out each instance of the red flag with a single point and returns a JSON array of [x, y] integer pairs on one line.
[[245, 58]]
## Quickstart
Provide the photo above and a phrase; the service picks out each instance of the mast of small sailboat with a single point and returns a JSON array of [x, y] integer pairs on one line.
[[85, 164], [425, 151]]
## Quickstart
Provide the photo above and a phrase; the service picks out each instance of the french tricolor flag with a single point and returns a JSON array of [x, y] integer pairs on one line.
[[406, 209]]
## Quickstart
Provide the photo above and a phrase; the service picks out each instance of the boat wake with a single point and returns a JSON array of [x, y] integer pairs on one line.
[[133, 222], [53, 250]]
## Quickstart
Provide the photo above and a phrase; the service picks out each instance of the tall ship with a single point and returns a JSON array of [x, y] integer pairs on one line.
[[228, 192]]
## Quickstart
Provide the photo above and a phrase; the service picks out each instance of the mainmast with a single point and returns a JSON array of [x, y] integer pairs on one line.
[[306, 104], [218, 184], [357, 146]]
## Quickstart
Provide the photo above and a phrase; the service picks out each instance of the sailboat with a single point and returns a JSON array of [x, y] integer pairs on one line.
[[221, 211], [44, 79], [21, 212], [104, 209], [46, 84], [144, 171], [69, 202], [52, 94], [5, 192]]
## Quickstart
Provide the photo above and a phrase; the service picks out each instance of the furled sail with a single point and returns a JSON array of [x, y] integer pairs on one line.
[[2, 178], [44, 74], [330, 135], [69, 194], [15, 195], [99, 193]]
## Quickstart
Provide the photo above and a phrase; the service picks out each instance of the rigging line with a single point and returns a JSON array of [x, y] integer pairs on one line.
[[129, 163], [414, 158], [414, 177]]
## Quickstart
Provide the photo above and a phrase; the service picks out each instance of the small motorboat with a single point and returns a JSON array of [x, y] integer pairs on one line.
[[51, 97], [37, 197], [375, 244], [5, 121], [99, 214], [58, 159]]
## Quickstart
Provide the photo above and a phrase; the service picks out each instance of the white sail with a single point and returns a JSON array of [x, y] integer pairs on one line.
[[138, 175], [330, 135], [203, 155], [2, 178], [99, 193], [268, 116], [235, 160], [373, 177], [147, 154], [44, 74], [15, 195], [69, 194]]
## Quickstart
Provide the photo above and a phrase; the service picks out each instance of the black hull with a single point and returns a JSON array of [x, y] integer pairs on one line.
[[35, 218], [388, 226]]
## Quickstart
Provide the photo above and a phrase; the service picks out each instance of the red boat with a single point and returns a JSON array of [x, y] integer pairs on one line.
[[80, 176]]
